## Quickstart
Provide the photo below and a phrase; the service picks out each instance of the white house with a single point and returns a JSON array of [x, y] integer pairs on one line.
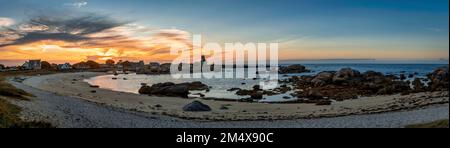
[[32, 65], [64, 66]]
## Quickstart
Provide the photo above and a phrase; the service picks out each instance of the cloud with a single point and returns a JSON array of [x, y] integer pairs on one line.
[[5, 22], [78, 4], [89, 36], [72, 29]]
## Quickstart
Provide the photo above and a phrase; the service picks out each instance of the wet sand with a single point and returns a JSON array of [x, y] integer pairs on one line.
[[64, 85]]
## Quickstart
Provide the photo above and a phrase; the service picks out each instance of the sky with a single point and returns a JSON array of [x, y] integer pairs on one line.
[[77, 30]]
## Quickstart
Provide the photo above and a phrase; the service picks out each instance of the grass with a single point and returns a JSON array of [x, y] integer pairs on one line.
[[9, 117], [9, 113], [435, 124], [8, 90]]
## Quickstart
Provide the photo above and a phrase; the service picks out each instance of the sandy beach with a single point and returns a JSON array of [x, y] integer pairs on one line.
[[64, 85]]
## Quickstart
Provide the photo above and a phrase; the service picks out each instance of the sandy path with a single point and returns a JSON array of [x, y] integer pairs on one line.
[[64, 111]]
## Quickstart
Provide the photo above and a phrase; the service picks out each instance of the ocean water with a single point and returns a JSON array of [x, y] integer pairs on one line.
[[132, 82]]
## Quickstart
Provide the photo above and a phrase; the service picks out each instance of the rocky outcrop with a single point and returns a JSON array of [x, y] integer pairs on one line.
[[293, 69], [439, 79], [196, 106], [418, 85], [347, 76], [346, 84], [172, 89], [322, 79]]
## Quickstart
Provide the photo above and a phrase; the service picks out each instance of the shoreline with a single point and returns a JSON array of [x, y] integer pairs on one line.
[[61, 84]]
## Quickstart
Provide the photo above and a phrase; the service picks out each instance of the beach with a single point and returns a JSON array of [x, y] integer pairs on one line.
[[72, 85]]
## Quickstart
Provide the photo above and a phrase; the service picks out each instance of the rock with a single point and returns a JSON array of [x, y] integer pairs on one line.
[[439, 79], [392, 77], [196, 106], [345, 75], [323, 102], [233, 89], [293, 69], [200, 95], [223, 107], [172, 89], [114, 78], [402, 77], [404, 93], [257, 88], [314, 94], [256, 96], [94, 86], [322, 79], [93, 91], [145, 90], [341, 96], [166, 89], [286, 97], [196, 86], [418, 85], [176, 90], [388, 90], [394, 87], [243, 92]]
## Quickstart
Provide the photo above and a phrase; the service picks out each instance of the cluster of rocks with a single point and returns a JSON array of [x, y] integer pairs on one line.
[[172, 89], [348, 83], [257, 93], [293, 69], [439, 80], [155, 68]]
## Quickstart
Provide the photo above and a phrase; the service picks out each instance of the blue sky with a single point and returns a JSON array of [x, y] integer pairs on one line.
[[305, 28]]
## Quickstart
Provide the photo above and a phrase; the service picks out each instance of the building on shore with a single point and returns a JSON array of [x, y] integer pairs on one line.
[[65, 66], [32, 65]]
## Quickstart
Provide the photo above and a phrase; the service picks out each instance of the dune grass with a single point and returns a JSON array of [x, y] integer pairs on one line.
[[435, 124], [9, 117], [8, 90], [9, 113]]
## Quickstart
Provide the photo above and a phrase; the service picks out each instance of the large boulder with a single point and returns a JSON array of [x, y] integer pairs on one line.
[[346, 75], [293, 69], [196, 106], [375, 77], [439, 79], [166, 89], [196, 86], [172, 89], [322, 78], [418, 85], [314, 94]]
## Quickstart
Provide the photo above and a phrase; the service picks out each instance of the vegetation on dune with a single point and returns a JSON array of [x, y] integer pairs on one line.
[[9, 113], [9, 117], [435, 124], [8, 90]]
